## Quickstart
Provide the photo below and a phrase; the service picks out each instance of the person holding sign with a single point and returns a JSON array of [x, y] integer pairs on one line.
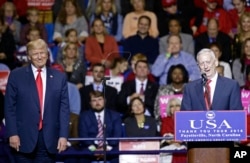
[[222, 93]]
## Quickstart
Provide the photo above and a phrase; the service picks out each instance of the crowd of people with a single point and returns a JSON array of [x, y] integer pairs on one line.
[[141, 49]]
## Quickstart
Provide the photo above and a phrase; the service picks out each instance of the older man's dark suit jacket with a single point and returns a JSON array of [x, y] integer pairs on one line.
[[129, 87], [227, 96], [110, 97]]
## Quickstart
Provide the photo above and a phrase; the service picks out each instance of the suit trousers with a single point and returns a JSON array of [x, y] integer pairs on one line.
[[39, 155]]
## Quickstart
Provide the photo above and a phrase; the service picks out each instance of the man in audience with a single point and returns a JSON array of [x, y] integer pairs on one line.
[[139, 87], [214, 35], [174, 27], [92, 124], [174, 56], [142, 42], [110, 95]]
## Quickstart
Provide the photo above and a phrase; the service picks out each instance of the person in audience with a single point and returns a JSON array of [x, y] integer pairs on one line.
[[142, 42], [138, 124], [150, 5], [73, 65], [70, 16], [139, 87], [91, 7], [218, 52], [247, 83], [174, 56], [9, 13], [131, 74], [225, 92], [43, 132], [175, 27], [182, 10], [239, 7], [70, 37], [177, 78], [119, 66], [213, 10], [100, 47], [7, 45], [220, 70], [168, 130], [213, 34], [32, 34], [33, 18], [91, 126], [130, 23], [241, 64], [242, 34], [107, 11], [110, 93]]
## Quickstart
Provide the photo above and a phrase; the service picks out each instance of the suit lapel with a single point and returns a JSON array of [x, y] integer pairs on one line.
[[217, 91], [49, 82], [32, 85], [200, 94]]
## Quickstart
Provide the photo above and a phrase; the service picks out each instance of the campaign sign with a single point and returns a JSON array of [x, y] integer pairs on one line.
[[245, 99], [4, 75], [210, 125], [138, 146]]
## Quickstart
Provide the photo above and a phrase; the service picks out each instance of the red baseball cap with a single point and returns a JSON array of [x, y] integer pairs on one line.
[[168, 3]]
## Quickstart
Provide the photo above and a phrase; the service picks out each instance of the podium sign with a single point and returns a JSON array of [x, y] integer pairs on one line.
[[138, 146], [210, 125]]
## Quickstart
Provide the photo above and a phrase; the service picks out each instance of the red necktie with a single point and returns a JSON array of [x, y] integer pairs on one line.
[[142, 89], [207, 94], [100, 132], [39, 85]]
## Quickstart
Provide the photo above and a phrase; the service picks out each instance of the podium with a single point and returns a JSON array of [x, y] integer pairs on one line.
[[207, 152], [210, 134]]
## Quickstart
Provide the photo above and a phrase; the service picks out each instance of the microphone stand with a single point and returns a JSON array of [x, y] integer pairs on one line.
[[104, 121]]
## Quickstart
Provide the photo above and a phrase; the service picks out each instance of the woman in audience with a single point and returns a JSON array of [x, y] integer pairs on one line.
[[177, 78], [167, 130], [107, 11], [100, 47], [70, 16], [131, 20], [118, 67], [9, 13], [73, 66], [138, 124], [216, 48], [241, 64], [242, 35]]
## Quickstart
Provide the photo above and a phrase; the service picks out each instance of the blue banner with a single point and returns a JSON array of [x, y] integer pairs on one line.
[[210, 126]]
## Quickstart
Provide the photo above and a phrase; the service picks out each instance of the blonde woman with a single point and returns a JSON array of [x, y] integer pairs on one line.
[[107, 11], [73, 65]]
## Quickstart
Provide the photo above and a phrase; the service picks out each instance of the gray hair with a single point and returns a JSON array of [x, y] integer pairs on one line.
[[206, 51]]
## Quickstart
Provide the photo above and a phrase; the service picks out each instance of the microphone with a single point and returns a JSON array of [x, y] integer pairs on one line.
[[204, 79]]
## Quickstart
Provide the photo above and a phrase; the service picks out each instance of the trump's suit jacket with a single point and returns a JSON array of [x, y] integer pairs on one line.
[[22, 108], [88, 126], [227, 96]]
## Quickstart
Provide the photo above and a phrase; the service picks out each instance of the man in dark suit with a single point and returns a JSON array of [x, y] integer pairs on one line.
[[37, 113], [139, 87], [224, 93], [89, 127], [98, 71], [214, 35]]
